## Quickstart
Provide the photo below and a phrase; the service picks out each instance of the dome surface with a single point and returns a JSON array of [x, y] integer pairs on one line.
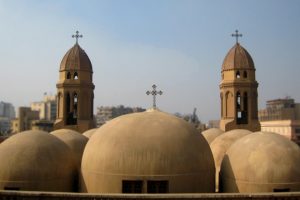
[[36, 161], [89, 133], [74, 140], [237, 58], [76, 59], [261, 162], [148, 146], [221, 144], [211, 134]]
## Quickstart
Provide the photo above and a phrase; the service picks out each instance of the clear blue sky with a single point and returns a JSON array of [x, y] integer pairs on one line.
[[177, 44]]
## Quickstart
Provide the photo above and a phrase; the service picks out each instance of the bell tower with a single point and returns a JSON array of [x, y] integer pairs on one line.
[[238, 90], [75, 91]]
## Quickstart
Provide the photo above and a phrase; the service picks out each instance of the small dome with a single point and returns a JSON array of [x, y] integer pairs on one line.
[[261, 162], [147, 147], [74, 140], [221, 144], [76, 59], [238, 58], [211, 134], [36, 161], [90, 133]]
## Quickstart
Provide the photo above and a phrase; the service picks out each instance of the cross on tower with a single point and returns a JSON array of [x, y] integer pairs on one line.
[[237, 35], [154, 92], [77, 36]]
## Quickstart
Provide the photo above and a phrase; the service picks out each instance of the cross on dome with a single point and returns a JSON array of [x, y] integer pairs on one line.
[[77, 36], [237, 35], [154, 92]]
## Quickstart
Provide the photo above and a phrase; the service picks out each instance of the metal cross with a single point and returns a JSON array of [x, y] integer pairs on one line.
[[237, 35], [154, 92], [77, 36]]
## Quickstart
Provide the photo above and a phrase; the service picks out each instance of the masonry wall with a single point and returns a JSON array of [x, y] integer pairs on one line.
[[15, 195]]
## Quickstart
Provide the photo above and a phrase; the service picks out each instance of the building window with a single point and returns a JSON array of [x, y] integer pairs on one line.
[[281, 190], [157, 186], [132, 186], [297, 130], [75, 76], [238, 75], [11, 188], [245, 74], [68, 75]]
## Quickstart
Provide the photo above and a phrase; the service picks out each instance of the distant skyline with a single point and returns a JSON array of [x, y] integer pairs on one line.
[[179, 45]]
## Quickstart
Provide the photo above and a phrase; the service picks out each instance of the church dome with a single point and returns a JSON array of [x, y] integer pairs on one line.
[[76, 59], [74, 140], [237, 58], [211, 134], [89, 133], [222, 143], [261, 162], [154, 149], [36, 161]]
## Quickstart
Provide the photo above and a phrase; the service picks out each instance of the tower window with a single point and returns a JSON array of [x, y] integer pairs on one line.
[[11, 188], [238, 100], [157, 186], [75, 102], [281, 190], [238, 75], [68, 75], [245, 74], [132, 186], [75, 76]]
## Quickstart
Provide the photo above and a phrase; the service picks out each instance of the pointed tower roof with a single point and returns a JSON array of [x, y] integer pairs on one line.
[[238, 58], [76, 59]]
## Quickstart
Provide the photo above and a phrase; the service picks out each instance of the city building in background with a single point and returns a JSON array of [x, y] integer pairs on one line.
[[106, 113], [7, 110], [281, 116], [7, 113], [24, 120], [213, 124], [39, 116], [46, 107]]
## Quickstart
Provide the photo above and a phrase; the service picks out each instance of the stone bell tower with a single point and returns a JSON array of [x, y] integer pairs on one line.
[[75, 91], [238, 90]]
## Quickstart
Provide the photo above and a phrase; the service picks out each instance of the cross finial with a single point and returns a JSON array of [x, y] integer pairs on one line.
[[77, 36], [154, 92], [237, 35]]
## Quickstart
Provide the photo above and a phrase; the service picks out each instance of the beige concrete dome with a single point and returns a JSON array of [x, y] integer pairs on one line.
[[89, 133], [74, 140], [144, 150], [221, 144], [211, 134], [37, 161], [261, 162]]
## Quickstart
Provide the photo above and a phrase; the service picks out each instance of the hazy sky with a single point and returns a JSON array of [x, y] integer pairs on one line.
[[178, 45]]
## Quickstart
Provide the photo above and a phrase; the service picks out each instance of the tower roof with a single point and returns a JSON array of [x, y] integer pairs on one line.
[[76, 59], [237, 58]]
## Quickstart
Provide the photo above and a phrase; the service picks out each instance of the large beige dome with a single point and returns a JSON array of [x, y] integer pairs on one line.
[[261, 162], [221, 144], [211, 134], [89, 133], [36, 160], [144, 149], [74, 140]]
